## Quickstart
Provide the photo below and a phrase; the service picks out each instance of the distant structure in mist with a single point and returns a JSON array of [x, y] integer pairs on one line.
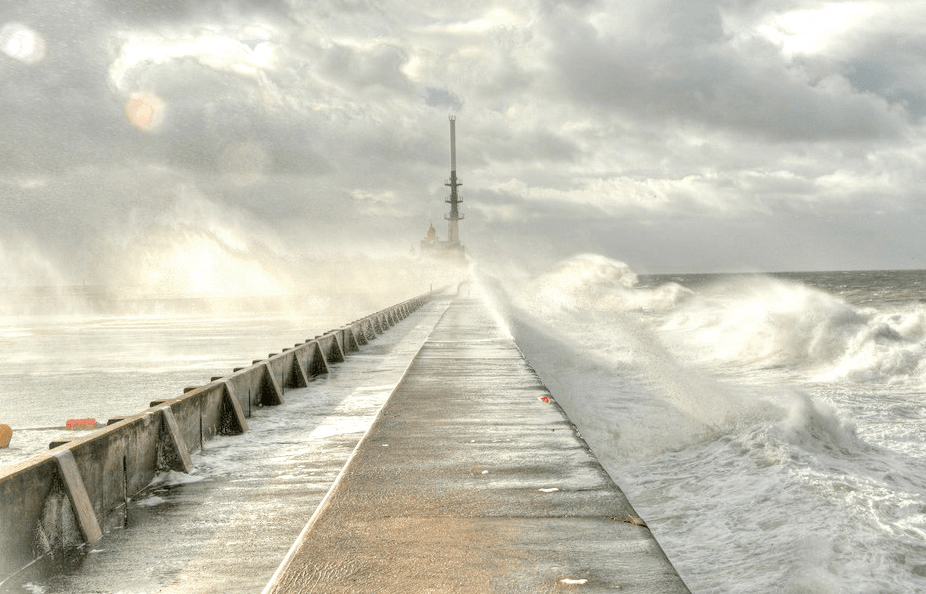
[[431, 245]]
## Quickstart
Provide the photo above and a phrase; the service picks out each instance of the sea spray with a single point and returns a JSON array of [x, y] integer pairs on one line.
[[769, 431], [763, 322]]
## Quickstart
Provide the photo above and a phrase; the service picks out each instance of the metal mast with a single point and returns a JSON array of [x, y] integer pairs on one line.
[[454, 200]]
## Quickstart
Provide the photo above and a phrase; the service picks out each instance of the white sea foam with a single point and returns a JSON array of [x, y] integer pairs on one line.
[[590, 281], [771, 323], [775, 424], [173, 478], [336, 426], [151, 501]]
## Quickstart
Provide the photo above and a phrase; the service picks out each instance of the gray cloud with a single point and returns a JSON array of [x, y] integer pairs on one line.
[[146, 14], [357, 70], [669, 134], [673, 61], [436, 97]]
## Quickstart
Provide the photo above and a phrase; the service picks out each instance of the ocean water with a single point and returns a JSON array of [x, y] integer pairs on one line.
[[102, 362], [769, 428]]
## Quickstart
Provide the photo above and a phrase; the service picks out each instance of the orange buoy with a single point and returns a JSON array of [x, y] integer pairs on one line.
[[80, 423], [6, 434]]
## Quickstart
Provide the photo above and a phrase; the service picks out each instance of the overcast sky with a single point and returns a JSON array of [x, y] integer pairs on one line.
[[140, 138]]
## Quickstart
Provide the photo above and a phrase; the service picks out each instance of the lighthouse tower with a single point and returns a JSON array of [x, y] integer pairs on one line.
[[450, 249], [454, 217]]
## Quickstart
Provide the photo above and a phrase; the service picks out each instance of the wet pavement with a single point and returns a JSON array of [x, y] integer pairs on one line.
[[472, 479], [226, 527]]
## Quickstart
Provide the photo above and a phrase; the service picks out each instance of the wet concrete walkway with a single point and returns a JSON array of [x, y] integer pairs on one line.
[[473, 480], [227, 527]]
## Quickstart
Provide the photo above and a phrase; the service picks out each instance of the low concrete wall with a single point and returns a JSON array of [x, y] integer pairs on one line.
[[55, 502]]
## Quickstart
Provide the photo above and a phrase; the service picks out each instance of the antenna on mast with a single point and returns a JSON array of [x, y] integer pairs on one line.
[[454, 200]]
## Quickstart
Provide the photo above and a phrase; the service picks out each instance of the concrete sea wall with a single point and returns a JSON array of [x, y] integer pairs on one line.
[[53, 504]]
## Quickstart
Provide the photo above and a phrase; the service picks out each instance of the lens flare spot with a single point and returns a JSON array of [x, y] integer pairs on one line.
[[144, 110], [22, 43]]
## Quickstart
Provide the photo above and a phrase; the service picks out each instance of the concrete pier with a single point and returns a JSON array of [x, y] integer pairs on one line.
[[472, 479], [62, 512], [469, 479], [251, 493]]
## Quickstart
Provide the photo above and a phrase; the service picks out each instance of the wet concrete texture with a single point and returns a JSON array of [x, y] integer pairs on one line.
[[226, 526], [472, 479]]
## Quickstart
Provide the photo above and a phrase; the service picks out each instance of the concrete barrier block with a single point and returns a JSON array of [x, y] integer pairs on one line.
[[289, 370], [359, 335], [233, 420], [248, 384], [23, 492], [276, 367], [128, 460], [315, 360], [77, 495], [338, 352], [199, 414], [271, 392], [351, 345], [211, 410], [368, 330], [331, 346], [172, 450], [60, 441], [300, 377]]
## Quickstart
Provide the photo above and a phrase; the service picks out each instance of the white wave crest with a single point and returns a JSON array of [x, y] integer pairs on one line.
[[592, 281], [769, 323]]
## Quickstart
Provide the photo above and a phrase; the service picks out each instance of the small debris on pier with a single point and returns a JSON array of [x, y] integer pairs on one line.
[[571, 581]]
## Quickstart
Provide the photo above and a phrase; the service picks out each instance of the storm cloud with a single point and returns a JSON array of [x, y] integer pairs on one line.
[[676, 136]]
